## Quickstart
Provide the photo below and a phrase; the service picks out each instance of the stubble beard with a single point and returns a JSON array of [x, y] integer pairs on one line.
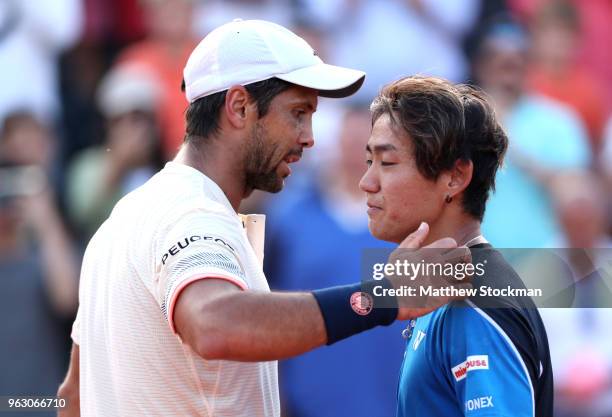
[[260, 173]]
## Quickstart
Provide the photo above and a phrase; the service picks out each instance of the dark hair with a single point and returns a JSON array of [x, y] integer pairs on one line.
[[202, 116], [447, 123]]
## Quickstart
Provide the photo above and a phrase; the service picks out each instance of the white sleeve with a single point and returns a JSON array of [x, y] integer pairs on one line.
[[200, 245]]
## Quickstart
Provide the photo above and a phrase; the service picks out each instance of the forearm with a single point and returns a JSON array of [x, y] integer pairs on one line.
[[60, 266], [258, 326], [219, 321], [69, 390]]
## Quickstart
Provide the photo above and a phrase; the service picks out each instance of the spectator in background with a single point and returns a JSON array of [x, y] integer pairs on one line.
[[317, 239], [109, 25], [606, 156], [546, 138], [604, 163], [98, 177], [595, 29], [165, 52], [489, 9], [390, 38], [29, 140], [581, 202], [595, 18], [38, 271], [115, 21], [212, 13], [555, 70], [581, 207], [32, 35]]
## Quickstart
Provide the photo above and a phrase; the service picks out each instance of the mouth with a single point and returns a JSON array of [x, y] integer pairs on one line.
[[292, 158], [373, 209]]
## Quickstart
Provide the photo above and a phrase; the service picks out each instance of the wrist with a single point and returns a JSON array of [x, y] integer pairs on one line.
[[351, 309]]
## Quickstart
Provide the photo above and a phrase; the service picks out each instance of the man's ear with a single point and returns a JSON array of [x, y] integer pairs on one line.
[[238, 106], [459, 177]]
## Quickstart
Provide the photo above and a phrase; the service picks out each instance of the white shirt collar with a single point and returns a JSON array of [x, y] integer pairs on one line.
[[212, 188]]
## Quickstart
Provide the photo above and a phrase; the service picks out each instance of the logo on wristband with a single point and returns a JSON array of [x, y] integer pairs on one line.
[[362, 303]]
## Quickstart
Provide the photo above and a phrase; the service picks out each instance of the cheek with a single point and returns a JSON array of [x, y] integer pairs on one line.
[[273, 148], [283, 135], [410, 200]]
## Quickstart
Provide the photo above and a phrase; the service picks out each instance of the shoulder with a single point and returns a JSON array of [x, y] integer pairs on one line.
[[508, 335], [176, 206], [179, 195]]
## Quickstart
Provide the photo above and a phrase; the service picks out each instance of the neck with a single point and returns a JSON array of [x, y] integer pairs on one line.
[[222, 165], [462, 228]]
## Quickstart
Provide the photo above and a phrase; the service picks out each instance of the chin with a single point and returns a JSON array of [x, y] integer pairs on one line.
[[273, 187], [388, 233], [380, 232], [270, 183], [278, 188]]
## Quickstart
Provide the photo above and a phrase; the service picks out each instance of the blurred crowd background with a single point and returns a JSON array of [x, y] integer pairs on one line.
[[91, 107]]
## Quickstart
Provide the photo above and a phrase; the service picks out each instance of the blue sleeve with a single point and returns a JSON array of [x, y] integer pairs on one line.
[[484, 368]]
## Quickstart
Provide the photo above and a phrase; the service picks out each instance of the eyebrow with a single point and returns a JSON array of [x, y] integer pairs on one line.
[[381, 148], [306, 103]]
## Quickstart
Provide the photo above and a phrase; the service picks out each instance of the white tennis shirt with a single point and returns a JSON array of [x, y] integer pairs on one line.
[[177, 228]]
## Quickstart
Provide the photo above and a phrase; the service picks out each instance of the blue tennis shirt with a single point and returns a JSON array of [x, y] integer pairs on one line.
[[479, 357]]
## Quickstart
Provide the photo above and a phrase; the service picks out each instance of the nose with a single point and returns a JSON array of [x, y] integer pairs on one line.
[[369, 182], [307, 137]]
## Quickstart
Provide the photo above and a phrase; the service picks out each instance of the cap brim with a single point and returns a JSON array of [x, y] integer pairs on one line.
[[330, 80]]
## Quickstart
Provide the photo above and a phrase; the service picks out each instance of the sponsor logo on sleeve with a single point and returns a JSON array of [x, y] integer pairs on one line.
[[183, 243], [472, 363], [478, 403]]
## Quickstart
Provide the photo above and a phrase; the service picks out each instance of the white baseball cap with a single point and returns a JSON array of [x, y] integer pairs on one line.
[[128, 87], [246, 51]]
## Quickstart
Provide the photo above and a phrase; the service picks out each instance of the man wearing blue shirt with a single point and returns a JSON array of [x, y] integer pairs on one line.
[[481, 357], [432, 156]]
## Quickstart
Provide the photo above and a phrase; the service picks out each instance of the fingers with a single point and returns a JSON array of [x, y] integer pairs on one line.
[[416, 238]]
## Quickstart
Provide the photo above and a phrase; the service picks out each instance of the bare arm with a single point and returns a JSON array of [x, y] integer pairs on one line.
[[69, 389], [59, 264], [219, 321]]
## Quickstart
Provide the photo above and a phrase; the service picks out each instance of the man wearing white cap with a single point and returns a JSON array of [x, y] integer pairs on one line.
[[176, 317]]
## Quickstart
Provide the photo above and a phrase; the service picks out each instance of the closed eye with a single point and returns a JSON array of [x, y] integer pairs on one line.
[[383, 163]]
